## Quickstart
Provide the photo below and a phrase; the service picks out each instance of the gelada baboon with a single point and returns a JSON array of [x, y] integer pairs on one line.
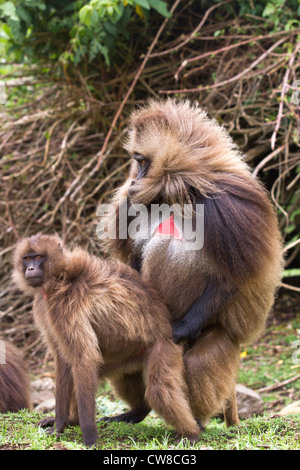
[[102, 320], [14, 383], [219, 296]]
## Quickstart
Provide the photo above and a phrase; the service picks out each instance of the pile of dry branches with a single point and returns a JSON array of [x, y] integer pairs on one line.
[[61, 152]]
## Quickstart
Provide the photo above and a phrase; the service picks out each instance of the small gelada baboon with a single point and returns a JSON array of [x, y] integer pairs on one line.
[[14, 382], [101, 319], [220, 294]]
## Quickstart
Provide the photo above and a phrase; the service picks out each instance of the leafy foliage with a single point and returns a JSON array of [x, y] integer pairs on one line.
[[79, 31], [71, 30]]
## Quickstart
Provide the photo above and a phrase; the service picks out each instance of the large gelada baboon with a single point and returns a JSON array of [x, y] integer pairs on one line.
[[220, 295], [102, 320]]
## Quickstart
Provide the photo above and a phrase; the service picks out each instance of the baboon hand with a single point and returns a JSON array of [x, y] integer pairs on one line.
[[181, 331], [47, 422]]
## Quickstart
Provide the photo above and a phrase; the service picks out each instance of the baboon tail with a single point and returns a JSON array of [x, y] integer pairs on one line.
[[166, 389]]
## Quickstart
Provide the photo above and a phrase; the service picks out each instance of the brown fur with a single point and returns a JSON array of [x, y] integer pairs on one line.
[[102, 320], [14, 383], [193, 160]]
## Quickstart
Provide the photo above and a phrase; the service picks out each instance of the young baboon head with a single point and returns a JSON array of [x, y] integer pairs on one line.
[[35, 259], [175, 147]]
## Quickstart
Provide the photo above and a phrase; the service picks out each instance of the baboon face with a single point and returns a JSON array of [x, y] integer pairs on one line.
[[141, 166], [32, 260], [174, 147], [33, 268], [154, 147]]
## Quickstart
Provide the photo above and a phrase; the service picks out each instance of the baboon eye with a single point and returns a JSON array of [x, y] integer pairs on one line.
[[143, 165], [38, 257], [27, 258], [139, 158]]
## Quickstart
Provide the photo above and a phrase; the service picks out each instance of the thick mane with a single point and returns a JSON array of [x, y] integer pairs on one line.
[[186, 149]]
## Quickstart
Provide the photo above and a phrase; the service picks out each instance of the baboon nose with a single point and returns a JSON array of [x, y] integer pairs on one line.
[[130, 190]]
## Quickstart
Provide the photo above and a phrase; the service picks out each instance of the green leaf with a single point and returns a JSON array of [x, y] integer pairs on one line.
[[269, 10], [85, 15], [35, 3], [23, 14], [7, 30], [295, 213], [160, 7], [8, 9], [291, 272], [143, 3], [110, 10], [290, 228]]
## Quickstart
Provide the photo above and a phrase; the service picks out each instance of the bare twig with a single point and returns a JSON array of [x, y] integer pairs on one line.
[[225, 49], [283, 91], [265, 160], [289, 287], [193, 34], [141, 68], [270, 388], [230, 80]]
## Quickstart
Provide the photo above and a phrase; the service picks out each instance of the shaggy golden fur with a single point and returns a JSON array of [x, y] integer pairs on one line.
[[14, 382], [102, 320], [229, 284]]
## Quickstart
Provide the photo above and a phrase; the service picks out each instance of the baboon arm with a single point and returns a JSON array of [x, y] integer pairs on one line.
[[203, 312]]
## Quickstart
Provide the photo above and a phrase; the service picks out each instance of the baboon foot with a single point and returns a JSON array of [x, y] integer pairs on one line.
[[47, 422], [132, 416], [201, 427], [51, 431]]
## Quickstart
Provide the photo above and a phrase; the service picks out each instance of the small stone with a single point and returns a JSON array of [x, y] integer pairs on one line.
[[39, 397], [249, 402], [43, 384], [46, 406]]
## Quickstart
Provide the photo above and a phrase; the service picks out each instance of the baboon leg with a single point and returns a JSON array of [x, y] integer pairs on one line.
[[74, 418], [131, 389], [85, 385], [230, 411], [211, 369], [63, 394], [166, 389]]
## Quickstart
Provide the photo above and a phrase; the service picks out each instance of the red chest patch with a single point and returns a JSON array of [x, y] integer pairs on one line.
[[44, 294], [168, 229]]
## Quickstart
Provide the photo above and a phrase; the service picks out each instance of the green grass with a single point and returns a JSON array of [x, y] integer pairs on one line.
[[266, 363], [20, 431], [270, 361]]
